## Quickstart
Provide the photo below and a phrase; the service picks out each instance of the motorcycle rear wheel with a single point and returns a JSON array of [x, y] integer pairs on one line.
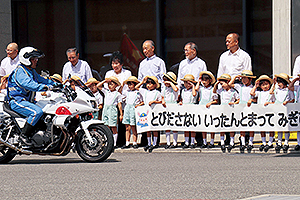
[[102, 145]]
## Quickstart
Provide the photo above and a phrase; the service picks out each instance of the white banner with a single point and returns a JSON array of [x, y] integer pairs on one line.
[[218, 118]]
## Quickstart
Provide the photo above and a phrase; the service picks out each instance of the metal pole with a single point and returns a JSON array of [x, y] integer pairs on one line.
[[77, 25], [158, 28], [245, 26]]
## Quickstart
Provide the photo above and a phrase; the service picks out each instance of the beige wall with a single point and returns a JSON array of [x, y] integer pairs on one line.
[[282, 36], [5, 29]]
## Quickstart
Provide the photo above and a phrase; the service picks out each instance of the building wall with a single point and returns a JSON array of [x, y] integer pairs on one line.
[[6, 27]]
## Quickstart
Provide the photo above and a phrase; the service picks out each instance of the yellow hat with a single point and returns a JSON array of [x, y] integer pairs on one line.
[[131, 79], [189, 77], [75, 78], [114, 79], [247, 73], [210, 75], [57, 77], [225, 77], [92, 80], [284, 76], [155, 80], [265, 77], [171, 76]]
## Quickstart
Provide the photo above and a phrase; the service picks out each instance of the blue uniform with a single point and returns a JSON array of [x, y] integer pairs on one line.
[[22, 85]]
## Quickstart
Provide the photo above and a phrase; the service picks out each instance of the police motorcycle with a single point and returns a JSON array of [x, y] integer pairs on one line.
[[66, 123]]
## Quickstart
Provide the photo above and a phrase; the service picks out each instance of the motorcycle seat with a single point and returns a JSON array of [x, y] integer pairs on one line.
[[12, 113]]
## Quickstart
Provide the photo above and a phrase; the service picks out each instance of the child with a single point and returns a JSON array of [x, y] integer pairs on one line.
[[3, 84], [112, 99], [170, 95], [263, 97], [75, 81], [244, 90], [150, 96], [296, 89], [92, 85], [188, 96], [228, 96], [283, 96], [41, 95], [207, 80], [133, 100]]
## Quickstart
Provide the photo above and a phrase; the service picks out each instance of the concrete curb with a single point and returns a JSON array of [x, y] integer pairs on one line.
[[236, 150]]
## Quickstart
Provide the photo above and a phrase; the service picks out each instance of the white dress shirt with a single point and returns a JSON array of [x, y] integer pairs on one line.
[[8, 65], [234, 63], [153, 66], [122, 76], [81, 69], [193, 67]]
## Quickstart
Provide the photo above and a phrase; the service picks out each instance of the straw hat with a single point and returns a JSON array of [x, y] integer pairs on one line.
[[284, 76], [131, 79], [171, 76], [155, 80], [210, 75], [189, 77], [225, 77], [114, 79], [265, 77], [92, 80], [247, 73], [57, 77]]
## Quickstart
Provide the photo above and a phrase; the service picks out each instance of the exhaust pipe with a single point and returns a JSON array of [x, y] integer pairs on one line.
[[14, 147]]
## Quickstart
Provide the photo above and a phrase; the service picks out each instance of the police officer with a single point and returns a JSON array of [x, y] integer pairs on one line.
[[23, 82]]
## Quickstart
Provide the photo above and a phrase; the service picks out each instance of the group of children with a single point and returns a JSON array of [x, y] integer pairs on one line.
[[205, 91]]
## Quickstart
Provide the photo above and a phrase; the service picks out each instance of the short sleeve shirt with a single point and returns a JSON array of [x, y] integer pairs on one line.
[[193, 67], [264, 96], [99, 98], [8, 65], [187, 96], [284, 94], [133, 97], [169, 94], [122, 76], [234, 63], [111, 98], [227, 96], [205, 94], [244, 92], [153, 95], [81, 69]]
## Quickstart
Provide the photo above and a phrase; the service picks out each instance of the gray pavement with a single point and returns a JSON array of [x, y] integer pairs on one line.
[[159, 175]]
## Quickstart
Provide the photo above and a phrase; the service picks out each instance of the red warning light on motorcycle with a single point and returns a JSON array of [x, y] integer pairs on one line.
[[62, 111]]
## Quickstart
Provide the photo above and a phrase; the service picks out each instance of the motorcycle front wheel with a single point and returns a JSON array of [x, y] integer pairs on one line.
[[101, 147]]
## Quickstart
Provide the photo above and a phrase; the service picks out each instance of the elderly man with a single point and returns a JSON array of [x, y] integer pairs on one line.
[[151, 65], [76, 67], [191, 64], [235, 60], [9, 63]]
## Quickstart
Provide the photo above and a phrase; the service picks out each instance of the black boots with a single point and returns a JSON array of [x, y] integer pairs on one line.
[[26, 133]]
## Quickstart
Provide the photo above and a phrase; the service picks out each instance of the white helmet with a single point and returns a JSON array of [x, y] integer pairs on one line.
[[29, 52]]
